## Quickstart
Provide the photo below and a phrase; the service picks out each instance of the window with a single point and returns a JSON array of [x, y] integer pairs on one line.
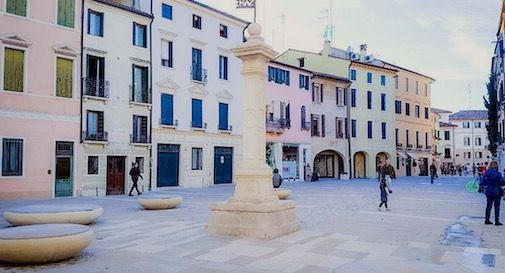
[[478, 141], [383, 80], [383, 102], [301, 62], [346, 130], [369, 99], [223, 31], [407, 109], [425, 89], [407, 138], [95, 23], [197, 21], [196, 158], [353, 128], [353, 74], [94, 83], [196, 65], [417, 87], [196, 113], [303, 118], [167, 109], [398, 107], [139, 35], [397, 137], [323, 126], [466, 141], [278, 75], [447, 135], [14, 62], [407, 84], [383, 129], [417, 139], [467, 155], [12, 157], [95, 126], [447, 153], [369, 77], [477, 124], [370, 129], [166, 11], [340, 100], [140, 163], [317, 93], [17, 7], [223, 116], [66, 11], [92, 164], [478, 154], [223, 67], [466, 124], [303, 82], [426, 139], [353, 97], [140, 90], [167, 48], [426, 113], [64, 77], [139, 130], [314, 124], [339, 128], [417, 110]]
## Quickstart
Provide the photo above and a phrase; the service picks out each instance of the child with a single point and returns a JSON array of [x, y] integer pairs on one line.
[[384, 194]]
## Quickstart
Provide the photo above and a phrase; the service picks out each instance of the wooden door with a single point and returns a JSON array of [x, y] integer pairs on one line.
[[115, 175], [168, 165], [223, 165]]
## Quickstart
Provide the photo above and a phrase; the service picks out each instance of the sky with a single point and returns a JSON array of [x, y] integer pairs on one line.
[[449, 40]]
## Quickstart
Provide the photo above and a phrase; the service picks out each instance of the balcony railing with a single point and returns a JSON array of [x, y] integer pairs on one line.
[[198, 74], [96, 87], [305, 126], [409, 146], [277, 125], [140, 95], [399, 145], [95, 136], [134, 138]]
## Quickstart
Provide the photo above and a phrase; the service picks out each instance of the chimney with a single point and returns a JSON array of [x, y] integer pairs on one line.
[[326, 48], [362, 54]]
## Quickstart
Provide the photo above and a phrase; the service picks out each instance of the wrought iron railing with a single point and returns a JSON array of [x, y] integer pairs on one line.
[[96, 87], [95, 136], [136, 138]]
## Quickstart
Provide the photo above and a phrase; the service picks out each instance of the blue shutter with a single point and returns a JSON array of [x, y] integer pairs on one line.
[[287, 77], [383, 130], [270, 73], [353, 128], [369, 99], [370, 134], [383, 102], [167, 109], [197, 64], [426, 139], [223, 116], [288, 116], [300, 83], [302, 115], [322, 93], [225, 68], [313, 92], [196, 113], [353, 97], [323, 126]]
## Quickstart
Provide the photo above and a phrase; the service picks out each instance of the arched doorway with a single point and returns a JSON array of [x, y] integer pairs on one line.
[[360, 165], [329, 164]]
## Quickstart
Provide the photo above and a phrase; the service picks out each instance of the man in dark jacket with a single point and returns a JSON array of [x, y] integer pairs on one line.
[[135, 174], [492, 183], [276, 179], [433, 171]]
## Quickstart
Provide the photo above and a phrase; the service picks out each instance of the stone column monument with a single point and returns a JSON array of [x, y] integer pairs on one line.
[[254, 210]]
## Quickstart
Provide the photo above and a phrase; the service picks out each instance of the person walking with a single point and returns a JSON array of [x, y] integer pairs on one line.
[[384, 194], [491, 184], [388, 173], [135, 174], [308, 172], [276, 179], [433, 171], [378, 171]]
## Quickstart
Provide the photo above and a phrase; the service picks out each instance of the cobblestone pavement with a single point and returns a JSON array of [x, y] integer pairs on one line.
[[430, 228]]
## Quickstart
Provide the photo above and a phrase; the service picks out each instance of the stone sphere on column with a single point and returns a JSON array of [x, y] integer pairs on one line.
[[254, 29]]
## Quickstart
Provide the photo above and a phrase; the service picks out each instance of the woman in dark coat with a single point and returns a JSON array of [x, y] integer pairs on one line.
[[384, 194], [492, 183]]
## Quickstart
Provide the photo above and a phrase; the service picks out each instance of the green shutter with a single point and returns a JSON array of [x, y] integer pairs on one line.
[[17, 7], [14, 69], [66, 13], [64, 78]]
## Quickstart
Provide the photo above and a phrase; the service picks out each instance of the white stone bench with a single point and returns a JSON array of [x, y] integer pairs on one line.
[[36, 244], [53, 214], [156, 202], [282, 193]]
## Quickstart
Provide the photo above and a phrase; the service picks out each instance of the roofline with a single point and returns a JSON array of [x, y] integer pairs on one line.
[[329, 76], [219, 11], [374, 66], [408, 70], [438, 110], [274, 61], [125, 8]]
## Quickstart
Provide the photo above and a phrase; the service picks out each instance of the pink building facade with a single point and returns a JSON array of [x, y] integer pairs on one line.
[[40, 68], [288, 109]]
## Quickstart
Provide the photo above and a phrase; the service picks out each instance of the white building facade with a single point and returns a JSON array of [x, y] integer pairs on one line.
[[197, 94], [116, 99]]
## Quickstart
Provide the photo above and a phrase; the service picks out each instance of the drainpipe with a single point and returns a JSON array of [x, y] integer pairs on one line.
[[151, 87], [349, 124], [81, 74], [243, 32]]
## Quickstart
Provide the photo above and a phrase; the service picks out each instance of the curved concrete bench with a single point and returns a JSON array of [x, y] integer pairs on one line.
[[155, 202], [53, 214], [43, 243], [282, 193]]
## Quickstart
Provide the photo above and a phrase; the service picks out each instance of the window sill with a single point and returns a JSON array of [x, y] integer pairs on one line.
[[168, 126], [95, 142], [94, 98], [198, 129], [141, 104], [228, 132], [140, 144], [198, 81]]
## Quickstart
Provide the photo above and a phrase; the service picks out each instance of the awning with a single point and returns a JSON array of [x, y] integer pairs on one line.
[[401, 154], [413, 156]]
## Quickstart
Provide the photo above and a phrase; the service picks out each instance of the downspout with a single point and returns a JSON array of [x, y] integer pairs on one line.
[[81, 74], [349, 121], [151, 87], [243, 32]]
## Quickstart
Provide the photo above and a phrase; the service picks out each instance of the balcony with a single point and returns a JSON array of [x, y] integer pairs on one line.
[[409, 146], [139, 139], [276, 125], [399, 146], [198, 74], [96, 88], [140, 95], [224, 128], [95, 136], [419, 147], [305, 126]]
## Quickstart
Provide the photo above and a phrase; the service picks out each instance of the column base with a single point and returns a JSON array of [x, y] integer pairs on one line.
[[262, 221]]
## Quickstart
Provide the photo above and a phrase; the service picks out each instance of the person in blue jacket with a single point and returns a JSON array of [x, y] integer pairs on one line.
[[491, 184]]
